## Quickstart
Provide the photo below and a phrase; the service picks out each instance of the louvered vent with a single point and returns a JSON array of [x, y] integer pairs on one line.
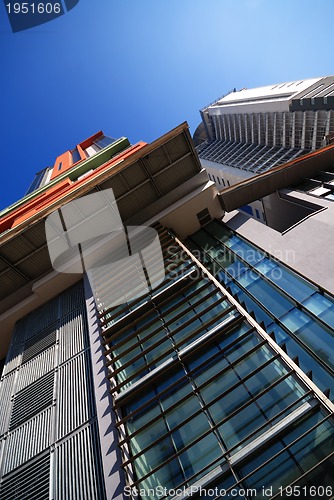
[[41, 318], [32, 400], [28, 440], [72, 299], [74, 401], [30, 482], [77, 458], [204, 217], [39, 343], [35, 368], [73, 334], [6, 391]]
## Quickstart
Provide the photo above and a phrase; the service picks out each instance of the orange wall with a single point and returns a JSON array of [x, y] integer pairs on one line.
[[56, 192], [65, 161]]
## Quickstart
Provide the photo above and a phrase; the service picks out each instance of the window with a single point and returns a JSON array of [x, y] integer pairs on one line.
[[75, 155], [104, 141], [60, 166], [39, 181], [270, 290], [204, 216], [247, 208]]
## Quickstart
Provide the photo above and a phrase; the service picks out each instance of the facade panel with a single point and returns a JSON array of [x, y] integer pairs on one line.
[[47, 395]]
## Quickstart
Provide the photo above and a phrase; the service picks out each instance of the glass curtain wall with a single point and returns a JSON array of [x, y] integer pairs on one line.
[[297, 312], [203, 399]]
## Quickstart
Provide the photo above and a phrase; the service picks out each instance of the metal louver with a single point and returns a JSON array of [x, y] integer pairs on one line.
[[30, 481], [32, 400]]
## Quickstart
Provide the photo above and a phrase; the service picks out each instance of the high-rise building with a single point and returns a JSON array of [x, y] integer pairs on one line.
[[250, 131], [211, 380]]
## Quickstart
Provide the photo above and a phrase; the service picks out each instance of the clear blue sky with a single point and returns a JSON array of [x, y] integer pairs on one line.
[[138, 68]]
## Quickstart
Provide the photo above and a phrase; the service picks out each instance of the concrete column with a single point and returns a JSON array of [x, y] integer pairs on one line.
[[111, 455], [315, 131], [302, 143], [293, 131]]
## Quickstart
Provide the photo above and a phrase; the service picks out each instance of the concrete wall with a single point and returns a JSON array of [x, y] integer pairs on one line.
[[282, 213]]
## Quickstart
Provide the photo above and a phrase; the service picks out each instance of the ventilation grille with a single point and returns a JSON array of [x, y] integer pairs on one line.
[[73, 335], [36, 368], [14, 354], [27, 440], [72, 299], [6, 391], [39, 343], [32, 400], [30, 482], [74, 401], [42, 318], [204, 217], [76, 458]]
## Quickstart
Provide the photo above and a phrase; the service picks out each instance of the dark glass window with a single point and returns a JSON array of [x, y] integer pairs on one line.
[[104, 141], [75, 155], [288, 281], [314, 335], [37, 182], [322, 307]]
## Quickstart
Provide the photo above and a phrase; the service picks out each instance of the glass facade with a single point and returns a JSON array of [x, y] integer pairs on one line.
[[203, 398], [104, 141], [300, 315], [39, 180]]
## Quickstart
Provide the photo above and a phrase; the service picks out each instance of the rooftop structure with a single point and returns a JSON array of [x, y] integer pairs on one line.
[[250, 131]]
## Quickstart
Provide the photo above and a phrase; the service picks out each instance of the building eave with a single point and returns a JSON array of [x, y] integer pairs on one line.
[[285, 175]]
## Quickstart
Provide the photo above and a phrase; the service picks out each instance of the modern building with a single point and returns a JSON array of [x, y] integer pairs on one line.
[[214, 382], [250, 131]]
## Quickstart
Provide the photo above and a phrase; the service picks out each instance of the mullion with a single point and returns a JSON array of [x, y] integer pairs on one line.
[[212, 429], [166, 324], [133, 334], [283, 450], [227, 452], [160, 289], [203, 407], [305, 474], [187, 285], [252, 268], [145, 339], [106, 311], [172, 349], [224, 420], [190, 372]]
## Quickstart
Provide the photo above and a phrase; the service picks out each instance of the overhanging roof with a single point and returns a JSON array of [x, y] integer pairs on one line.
[[285, 175], [140, 181]]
